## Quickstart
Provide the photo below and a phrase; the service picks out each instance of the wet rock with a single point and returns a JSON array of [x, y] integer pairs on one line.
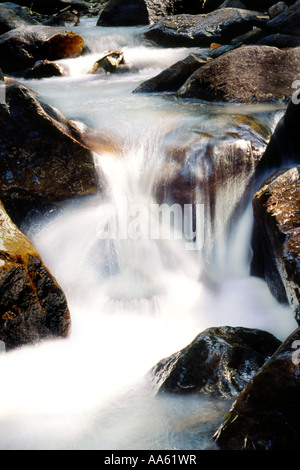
[[201, 30], [246, 74], [66, 18], [173, 77], [266, 414], [142, 12], [49, 7], [22, 47], [276, 240], [44, 160], [13, 16], [219, 362], [281, 41], [45, 69], [276, 9], [110, 62], [219, 154], [287, 22], [32, 304]]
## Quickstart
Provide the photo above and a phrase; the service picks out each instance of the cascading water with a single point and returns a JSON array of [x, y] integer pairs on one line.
[[133, 300]]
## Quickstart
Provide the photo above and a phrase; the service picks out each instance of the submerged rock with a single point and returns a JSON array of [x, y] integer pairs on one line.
[[266, 415], [276, 240], [246, 74], [201, 30], [22, 47], [13, 16], [174, 76], [32, 305], [219, 362], [44, 160]]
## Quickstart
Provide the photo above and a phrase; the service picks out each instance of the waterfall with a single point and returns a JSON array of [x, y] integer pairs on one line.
[[133, 299]]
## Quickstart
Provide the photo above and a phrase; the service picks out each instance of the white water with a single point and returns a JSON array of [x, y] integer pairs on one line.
[[132, 302]]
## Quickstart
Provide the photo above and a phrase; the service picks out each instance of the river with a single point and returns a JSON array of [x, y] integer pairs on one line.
[[133, 301]]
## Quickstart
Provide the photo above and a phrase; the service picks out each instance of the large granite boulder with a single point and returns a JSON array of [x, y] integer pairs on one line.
[[246, 74], [138, 12], [276, 239], [13, 16], [201, 30], [20, 48], [266, 415], [32, 305], [44, 160], [219, 362]]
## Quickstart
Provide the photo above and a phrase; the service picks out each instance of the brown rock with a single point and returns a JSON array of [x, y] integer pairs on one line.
[[32, 305], [276, 241]]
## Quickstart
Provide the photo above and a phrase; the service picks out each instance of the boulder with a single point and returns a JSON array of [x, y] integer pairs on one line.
[[13, 16], [287, 22], [276, 9], [44, 160], [172, 78], [32, 305], [48, 7], [142, 12], [45, 69], [20, 48], [266, 415], [219, 362], [201, 30], [276, 239], [249, 74]]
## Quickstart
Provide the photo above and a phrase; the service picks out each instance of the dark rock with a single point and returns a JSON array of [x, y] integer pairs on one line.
[[45, 69], [246, 74], [266, 415], [283, 150], [276, 9], [22, 47], [44, 160], [49, 7], [173, 77], [232, 4], [32, 305], [110, 62], [201, 30], [13, 16], [66, 18], [287, 22], [141, 12], [213, 164], [276, 240], [219, 362], [282, 41]]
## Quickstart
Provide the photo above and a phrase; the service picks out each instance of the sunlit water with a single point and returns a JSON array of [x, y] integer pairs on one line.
[[132, 302]]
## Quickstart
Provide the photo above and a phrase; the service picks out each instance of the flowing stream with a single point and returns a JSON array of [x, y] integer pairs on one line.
[[133, 300]]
